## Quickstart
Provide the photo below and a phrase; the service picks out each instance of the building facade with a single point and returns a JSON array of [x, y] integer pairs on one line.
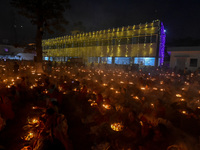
[[184, 57], [139, 44]]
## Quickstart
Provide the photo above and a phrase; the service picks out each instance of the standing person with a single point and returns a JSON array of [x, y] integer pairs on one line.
[[49, 67], [16, 68]]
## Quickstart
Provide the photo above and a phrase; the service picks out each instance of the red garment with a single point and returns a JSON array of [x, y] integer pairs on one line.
[[6, 108], [99, 99]]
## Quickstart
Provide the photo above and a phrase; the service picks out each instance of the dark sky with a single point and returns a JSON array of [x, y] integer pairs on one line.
[[181, 18]]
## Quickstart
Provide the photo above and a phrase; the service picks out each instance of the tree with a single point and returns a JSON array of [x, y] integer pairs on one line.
[[45, 14]]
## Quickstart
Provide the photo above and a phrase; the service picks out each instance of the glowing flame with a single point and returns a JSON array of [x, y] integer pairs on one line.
[[141, 123], [155, 88], [182, 100], [106, 106], [93, 104], [117, 126], [136, 97], [152, 105], [183, 112], [29, 136], [178, 95]]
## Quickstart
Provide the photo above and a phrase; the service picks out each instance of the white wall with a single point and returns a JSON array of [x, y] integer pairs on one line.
[[187, 55]]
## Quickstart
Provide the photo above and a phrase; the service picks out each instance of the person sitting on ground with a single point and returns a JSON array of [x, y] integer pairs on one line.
[[57, 125]]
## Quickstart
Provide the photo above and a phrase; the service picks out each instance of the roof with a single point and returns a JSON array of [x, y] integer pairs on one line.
[[186, 48]]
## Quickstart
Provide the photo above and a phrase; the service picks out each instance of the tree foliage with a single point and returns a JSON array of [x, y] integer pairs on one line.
[[45, 14]]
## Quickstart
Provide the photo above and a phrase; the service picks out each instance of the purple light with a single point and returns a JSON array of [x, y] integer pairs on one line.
[[5, 49], [162, 44]]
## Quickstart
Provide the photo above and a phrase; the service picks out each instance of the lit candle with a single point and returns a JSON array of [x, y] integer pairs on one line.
[[93, 104], [183, 112], [182, 100], [117, 126], [117, 92], [106, 106], [136, 97], [104, 84], [155, 88], [178, 95], [152, 105]]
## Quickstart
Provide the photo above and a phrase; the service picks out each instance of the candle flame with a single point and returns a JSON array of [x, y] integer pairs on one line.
[[178, 95], [106, 106], [117, 126]]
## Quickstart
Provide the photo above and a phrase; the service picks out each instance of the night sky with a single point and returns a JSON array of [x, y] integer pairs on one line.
[[181, 18]]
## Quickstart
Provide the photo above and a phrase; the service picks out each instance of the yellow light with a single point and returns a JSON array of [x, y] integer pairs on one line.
[[34, 107], [93, 104], [178, 95], [155, 88], [34, 121], [104, 84], [152, 105], [141, 123], [106, 106], [89, 100], [29, 136], [136, 97], [117, 126], [184, 112]]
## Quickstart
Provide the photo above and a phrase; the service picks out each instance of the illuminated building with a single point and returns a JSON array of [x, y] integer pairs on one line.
[[139, 44]]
